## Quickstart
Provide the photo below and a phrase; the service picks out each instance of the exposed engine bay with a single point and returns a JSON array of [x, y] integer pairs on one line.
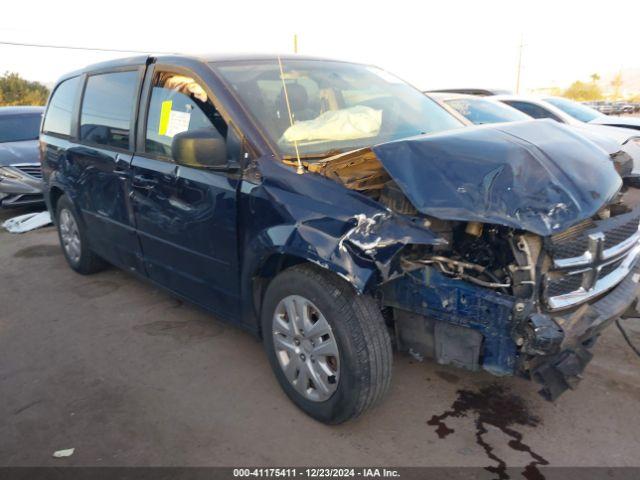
[[527, 297], [492, 256]]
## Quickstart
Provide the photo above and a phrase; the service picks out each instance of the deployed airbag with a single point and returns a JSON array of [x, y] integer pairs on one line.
[[336, 125]]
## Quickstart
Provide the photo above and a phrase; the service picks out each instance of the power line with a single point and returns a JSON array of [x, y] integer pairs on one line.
[[71, 47]]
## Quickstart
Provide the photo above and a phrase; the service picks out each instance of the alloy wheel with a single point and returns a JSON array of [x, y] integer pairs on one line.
[[70, 235], [306, 348]]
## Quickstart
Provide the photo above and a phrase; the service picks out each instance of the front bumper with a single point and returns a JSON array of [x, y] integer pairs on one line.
[[557, 372], [553, 354], [22, 191], [20, 200]]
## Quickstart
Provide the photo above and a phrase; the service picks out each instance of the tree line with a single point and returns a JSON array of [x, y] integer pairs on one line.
[[591, 91], [15, 90]]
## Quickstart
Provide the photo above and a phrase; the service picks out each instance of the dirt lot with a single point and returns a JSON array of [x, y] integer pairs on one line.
[[128, 375]]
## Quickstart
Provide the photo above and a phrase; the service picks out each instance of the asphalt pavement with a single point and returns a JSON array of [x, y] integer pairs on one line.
[[129, 375]]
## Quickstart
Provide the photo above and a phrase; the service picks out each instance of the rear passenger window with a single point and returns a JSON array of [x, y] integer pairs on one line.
[[107, 107], [178, 103], [60, 110]]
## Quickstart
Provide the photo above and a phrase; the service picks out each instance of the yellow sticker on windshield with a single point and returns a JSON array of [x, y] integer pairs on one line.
[[165, 114]]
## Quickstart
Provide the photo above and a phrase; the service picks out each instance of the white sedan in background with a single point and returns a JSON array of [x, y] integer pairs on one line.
[[511, 108]]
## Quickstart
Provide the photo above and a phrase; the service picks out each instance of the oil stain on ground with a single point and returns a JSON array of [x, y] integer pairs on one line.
[[496, 406], [38, 251]]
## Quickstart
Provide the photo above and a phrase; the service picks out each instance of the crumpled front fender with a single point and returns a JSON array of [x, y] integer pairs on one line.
[[314, 219]]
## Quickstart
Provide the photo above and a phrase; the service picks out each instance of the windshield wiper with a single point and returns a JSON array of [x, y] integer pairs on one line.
[[318, 156]]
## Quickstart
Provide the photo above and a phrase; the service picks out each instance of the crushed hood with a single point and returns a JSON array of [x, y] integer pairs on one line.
[[535, 175]]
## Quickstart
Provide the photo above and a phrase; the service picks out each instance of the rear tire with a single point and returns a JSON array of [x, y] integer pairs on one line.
[[73, 240], [361, 365]]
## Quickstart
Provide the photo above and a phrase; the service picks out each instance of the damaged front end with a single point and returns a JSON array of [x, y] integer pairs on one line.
[[537, 246], [534, 310]]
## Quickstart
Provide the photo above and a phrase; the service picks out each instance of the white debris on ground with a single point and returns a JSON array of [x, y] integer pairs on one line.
[[27, 222], [416, 356], [63, 453]]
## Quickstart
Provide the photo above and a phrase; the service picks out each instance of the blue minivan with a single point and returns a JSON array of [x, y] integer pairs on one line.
[[332, 210]]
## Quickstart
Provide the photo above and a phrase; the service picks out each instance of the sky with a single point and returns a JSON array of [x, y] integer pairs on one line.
[[430, 44]]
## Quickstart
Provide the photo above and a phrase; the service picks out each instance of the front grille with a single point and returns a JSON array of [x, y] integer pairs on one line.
[[570, 248], [620, 233], [563, 284], [33, 170], [572, 232], [610, 268], [588, 261], [572, 242]]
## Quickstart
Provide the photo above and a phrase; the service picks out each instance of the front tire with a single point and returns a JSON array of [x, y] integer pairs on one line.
[[73, 240], [329, 347]]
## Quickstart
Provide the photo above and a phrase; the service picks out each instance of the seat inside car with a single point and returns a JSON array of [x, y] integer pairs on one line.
[[298, 101]]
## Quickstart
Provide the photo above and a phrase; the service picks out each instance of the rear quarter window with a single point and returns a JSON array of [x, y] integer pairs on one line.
[[60, 110], [107, 107]]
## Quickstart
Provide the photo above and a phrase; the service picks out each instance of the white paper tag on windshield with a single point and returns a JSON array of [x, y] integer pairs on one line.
[[178, 122]]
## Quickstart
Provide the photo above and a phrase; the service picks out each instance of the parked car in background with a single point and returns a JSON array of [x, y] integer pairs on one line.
[[614, 108], [20, 173], [604, 107], [628, 138], [327, 205], [622, 107], [589, 115], [628, 108], [481, 110]]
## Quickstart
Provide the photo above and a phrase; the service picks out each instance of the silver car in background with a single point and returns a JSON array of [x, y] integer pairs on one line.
[[627, 138], [618, 143], [20, 172], [588, 114]]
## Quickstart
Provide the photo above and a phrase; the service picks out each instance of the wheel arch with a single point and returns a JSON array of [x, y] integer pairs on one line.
[[277, 262], [55, 192]]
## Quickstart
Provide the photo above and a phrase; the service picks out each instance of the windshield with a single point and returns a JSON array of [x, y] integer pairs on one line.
[[335, 106], [16, 128], [480, 111], [575, 109]]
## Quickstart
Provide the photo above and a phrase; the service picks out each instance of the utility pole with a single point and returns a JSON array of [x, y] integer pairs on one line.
[[295, 43], [519, 63]]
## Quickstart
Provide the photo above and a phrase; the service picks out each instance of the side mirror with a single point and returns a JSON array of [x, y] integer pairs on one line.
[[200, 148]]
